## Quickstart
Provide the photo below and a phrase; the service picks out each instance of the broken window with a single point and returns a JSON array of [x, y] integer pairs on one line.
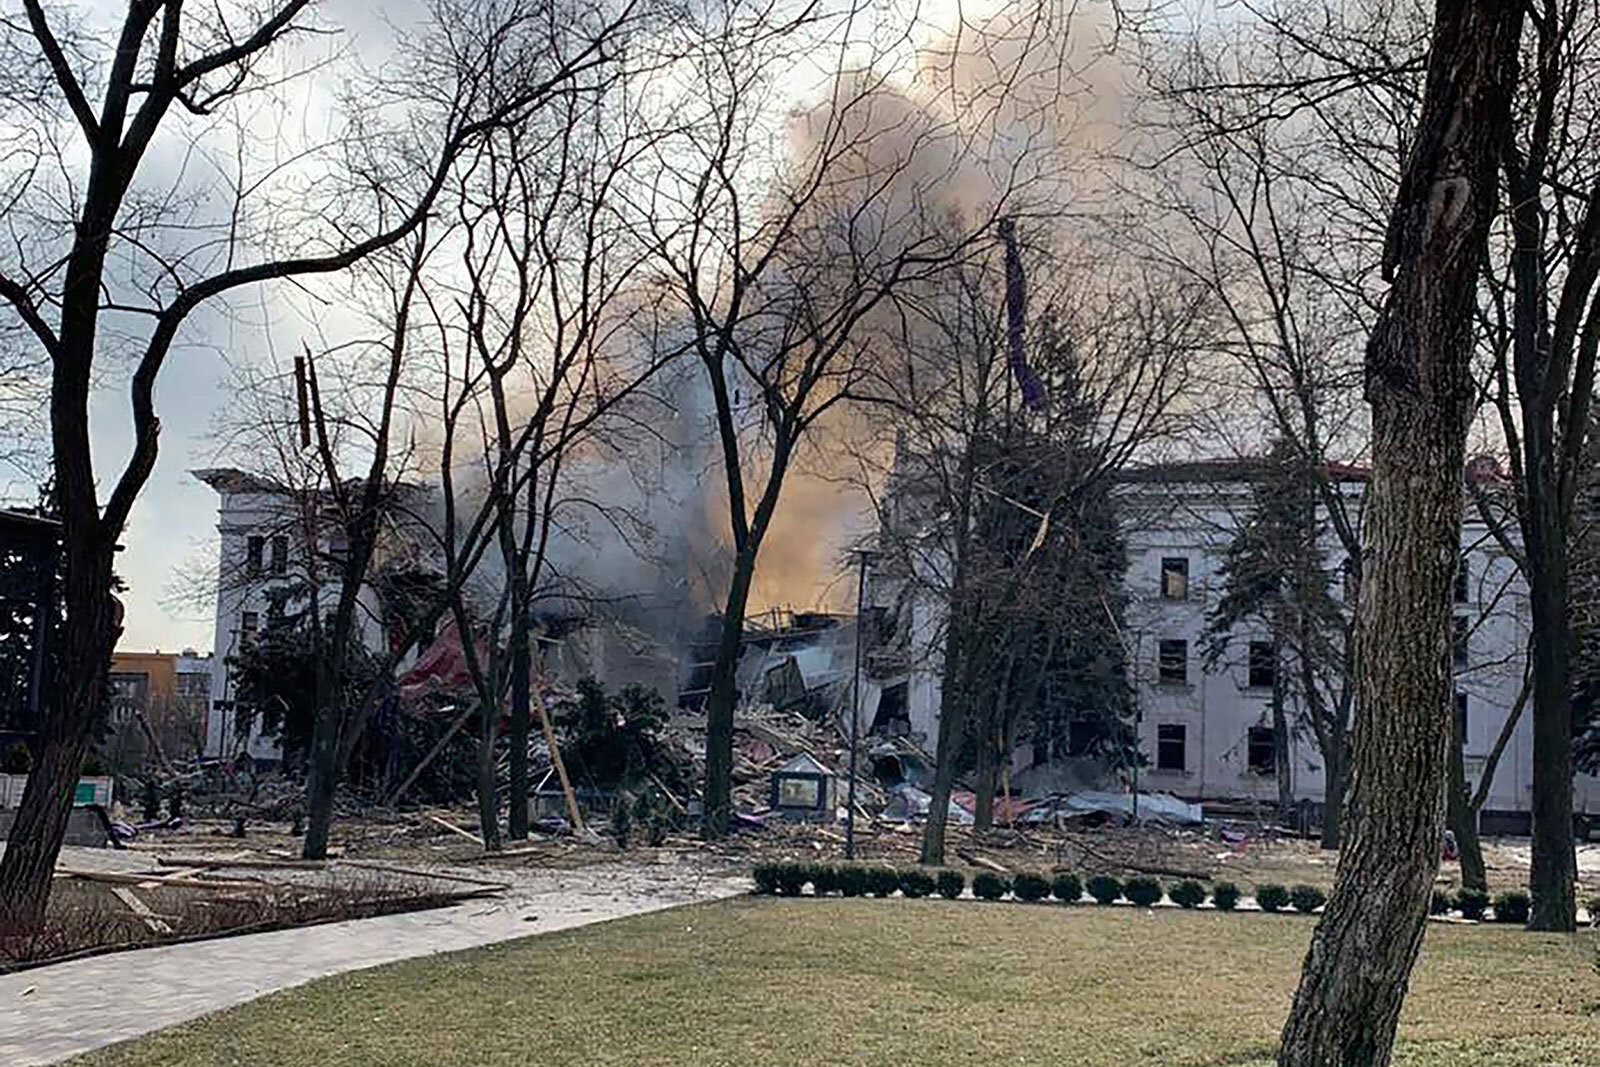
[[1174, 661], [1263, 666], [280, 555], [1463, 581], [1458, 650], [253, 547], [1263, 750], [1175, 578], [1170, 747]]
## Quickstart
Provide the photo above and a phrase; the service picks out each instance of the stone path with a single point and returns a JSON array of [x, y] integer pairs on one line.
[[51, 1013]]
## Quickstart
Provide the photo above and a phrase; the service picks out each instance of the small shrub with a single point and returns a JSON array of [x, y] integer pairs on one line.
[[824, 880], [916, 884], [1066, 888], [766, 878], [1225, 896], [622, 823], [1030, 887], [882, 881], [1512, 907], [1307, 898], [1188, 894], [19, 759], [950, 884], [1272, 897], [1472, 903], [986, 885], [1442, 903], [852, 881], [1104, 888], [1145, 892], [792, 878]]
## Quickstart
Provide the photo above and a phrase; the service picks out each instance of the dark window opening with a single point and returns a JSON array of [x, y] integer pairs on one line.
[[249, 621], [280, 555], [253, 549], [1082, 734], [1461, 716], [1263, 750], [1170, 744], [1175, 578], [1173, 662], [1263, 667], [1458, 650], [892, 717], [1463, 581]]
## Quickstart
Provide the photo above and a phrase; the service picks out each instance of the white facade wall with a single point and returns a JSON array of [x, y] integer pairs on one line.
[[1215, 705], [246, 510]]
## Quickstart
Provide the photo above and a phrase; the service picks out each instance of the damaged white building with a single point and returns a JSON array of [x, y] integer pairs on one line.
[[1205, 728]]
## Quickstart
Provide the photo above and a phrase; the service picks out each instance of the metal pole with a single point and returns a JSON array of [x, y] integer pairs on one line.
[[855, 708]]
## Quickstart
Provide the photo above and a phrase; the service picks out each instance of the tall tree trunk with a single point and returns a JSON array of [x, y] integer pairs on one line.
[[322, 765], [1281, 765], [1553, 878], [1335, 772], [488, 800], [88, 638], [952, 726], [521, 709], [1419, 386], [724, 695], [1460, 815], [987, 771]]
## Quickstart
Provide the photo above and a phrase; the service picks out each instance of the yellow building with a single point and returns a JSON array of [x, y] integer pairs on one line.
[[170, 692]]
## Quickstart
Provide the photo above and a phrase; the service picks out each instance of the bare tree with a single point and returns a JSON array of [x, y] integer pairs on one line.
[[994, 509], [1338, 85], [1543, 318], [782, 238], [108, 256], [545, 332], [1419, 384]]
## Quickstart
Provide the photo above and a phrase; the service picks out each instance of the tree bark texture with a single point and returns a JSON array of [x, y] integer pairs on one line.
[[1419, 387], [88, 636], [724, 695], [1334, 764], [1461, 817], [1554, 874]]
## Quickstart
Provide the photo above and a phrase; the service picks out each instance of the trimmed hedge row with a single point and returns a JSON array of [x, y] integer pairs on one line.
[[790, 879]]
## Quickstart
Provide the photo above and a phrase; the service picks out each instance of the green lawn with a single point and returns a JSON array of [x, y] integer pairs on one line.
[[749, 983]]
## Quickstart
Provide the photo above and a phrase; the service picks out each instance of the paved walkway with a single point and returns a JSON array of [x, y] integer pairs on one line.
[[50, 1013]]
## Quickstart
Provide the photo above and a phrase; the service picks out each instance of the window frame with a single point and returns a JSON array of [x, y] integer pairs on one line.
[[1165, 743], [255, 555], [1167, 649], [1252, 667], [1181, 570], [1253, 739]]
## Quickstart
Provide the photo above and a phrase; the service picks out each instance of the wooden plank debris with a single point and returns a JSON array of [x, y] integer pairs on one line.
[[156, 924], [453, 828], [253, 863]]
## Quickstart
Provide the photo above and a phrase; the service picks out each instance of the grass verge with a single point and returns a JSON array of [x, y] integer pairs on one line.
[[917, 983]]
